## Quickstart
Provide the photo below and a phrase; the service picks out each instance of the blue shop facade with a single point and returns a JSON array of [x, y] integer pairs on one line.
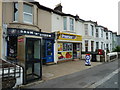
[[47, 43]]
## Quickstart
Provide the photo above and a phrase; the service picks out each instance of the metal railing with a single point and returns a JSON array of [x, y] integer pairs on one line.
[[9, 72]]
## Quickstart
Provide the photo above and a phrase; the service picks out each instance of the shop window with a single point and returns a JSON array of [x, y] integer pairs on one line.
[[65, 51], [71, 24], [65, 23], [15, 11], [28, 13], [86, 45], [12, 47]]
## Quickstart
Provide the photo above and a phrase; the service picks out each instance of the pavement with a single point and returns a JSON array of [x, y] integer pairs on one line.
[[75, 74], [65, 68]]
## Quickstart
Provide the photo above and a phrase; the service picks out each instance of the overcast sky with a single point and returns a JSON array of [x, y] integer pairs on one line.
[[105, 12]]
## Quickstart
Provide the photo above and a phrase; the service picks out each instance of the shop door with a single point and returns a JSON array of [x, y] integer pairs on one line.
[[49, 51], [76, 50], [33, 69]]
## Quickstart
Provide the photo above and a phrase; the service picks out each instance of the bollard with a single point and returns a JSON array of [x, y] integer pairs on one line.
[[87, 60]]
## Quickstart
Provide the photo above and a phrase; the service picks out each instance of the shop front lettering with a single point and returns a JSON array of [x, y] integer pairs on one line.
[[68, 36], [28, 32]]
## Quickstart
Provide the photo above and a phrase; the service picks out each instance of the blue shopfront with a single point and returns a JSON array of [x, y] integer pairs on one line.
[[47, 51]]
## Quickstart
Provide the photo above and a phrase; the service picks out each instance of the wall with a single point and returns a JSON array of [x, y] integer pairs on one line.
[[44, 20], [57, 22]]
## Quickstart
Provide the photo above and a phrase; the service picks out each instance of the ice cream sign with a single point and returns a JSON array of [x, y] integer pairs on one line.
[[68, 36]]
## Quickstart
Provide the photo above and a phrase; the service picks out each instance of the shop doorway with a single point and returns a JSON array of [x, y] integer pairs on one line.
[[76, 50], [49, 51]]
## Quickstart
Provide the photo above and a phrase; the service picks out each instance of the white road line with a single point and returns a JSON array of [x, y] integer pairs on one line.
[[104, 79]]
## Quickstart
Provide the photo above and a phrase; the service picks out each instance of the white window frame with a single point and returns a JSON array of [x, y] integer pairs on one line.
[[71, 25], [14, 13], [86, 29], [64, 23], [30, 14]]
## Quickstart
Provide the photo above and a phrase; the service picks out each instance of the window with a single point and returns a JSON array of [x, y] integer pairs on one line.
[[97, 33], [28, 14], [97, 45], [65, 23], [86, 29], [71, 24], [92, 30], [101, 32], [86, 45], [92, 46], [101, 45], [106, 35], [15, 11], [107, 47]]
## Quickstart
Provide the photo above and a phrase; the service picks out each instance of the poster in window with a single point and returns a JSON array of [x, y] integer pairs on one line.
[[64, 55], [60, 46]]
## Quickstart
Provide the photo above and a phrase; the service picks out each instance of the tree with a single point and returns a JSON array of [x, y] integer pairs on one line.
[[117, 49]]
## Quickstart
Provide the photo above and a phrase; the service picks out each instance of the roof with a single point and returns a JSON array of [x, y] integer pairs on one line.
[[54, 11]]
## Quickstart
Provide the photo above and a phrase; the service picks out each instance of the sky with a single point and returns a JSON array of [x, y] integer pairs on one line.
[[105, 12]]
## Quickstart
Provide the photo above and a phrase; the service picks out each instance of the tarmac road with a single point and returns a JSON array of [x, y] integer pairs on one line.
[[82, 79]]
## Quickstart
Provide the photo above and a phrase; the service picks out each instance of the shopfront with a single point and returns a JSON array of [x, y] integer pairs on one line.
[[69, 46], [47, 43]]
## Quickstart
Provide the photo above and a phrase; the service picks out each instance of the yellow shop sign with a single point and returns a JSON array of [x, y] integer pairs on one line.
[[67, 36]]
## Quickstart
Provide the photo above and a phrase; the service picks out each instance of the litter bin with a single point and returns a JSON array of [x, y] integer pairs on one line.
[[94, 57]]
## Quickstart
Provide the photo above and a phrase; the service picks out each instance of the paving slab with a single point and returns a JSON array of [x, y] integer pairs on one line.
[[65, 68]]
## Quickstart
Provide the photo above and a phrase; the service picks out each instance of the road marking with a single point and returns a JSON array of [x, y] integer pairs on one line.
[[103, 80]]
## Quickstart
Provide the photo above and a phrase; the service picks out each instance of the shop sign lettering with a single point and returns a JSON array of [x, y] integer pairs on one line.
[[28, 32], [68, 36]]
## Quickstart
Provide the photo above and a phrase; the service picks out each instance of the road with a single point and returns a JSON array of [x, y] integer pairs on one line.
[[82, 79], [112, 82]]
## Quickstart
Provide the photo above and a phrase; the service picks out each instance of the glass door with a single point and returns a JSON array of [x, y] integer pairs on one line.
[[49, 51], [33, 59]]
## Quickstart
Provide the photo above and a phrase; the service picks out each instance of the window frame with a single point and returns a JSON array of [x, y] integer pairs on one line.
[[71, 24], [15, 19], [64, 23], [26, 13]]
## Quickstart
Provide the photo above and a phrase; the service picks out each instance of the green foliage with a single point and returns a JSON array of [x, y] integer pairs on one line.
[[117, 49]]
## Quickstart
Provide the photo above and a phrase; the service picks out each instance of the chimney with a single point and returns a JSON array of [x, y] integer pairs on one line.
[[77, 17], [58, 7]]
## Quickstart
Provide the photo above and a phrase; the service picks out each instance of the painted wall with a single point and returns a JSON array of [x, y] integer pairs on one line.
[[57, 22], [44, 20]]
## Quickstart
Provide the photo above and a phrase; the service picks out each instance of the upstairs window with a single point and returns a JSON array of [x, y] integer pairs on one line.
[[71, 24], [97, 33], [101, 32], [106, 35], [28, 13], [86, 29], [92, 30], [15, 11], [65, 23]]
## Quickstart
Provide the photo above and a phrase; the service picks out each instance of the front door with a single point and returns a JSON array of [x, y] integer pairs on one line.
[[33, 60], [49, 51]]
